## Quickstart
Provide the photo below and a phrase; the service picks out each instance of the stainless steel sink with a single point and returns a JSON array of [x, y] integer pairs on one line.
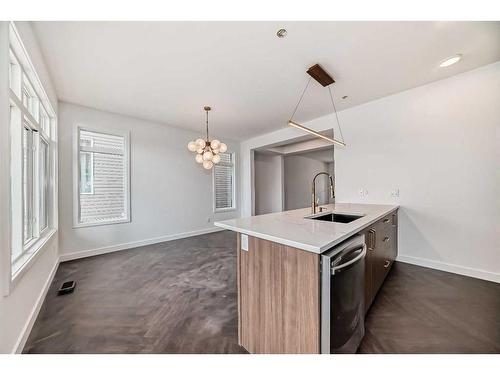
[[336, 218]]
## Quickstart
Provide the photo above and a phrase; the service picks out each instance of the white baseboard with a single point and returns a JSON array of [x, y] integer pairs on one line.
[[18, 348], [453, 268], [130, 245]]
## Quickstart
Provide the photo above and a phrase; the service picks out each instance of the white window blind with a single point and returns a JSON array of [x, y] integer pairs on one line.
[[224, 183], [103, 189]]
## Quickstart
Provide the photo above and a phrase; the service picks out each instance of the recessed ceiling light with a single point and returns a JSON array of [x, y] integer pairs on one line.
[[451, 60], [281, 33]]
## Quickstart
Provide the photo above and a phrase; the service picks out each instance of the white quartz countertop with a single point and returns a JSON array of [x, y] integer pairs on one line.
[[292, 228]]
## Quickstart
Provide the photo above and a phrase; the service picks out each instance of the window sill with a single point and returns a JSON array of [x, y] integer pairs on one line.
[[96, 224], [24, 263], [222, 210]]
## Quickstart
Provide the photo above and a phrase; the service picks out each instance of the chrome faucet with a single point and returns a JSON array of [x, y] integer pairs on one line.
[[314, 205]]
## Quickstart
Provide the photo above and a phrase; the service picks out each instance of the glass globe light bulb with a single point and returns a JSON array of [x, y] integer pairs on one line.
[[223, 147], [200, 143], [215, 151], [198, 158], [192, 146], [215, 144], [207, 164], [207, 155], [216, 159], [200, 150]]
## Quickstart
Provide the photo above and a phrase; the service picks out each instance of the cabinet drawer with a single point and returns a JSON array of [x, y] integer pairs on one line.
[[381, 240], [387, 246], [388, 221], [385, 239]]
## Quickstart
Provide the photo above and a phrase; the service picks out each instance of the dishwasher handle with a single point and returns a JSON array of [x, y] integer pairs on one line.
[[346, 264]]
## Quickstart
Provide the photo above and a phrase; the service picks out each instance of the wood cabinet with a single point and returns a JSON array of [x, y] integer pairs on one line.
[[279, 299], [382, 249]]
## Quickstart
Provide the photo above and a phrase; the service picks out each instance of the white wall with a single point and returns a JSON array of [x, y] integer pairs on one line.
[[171, 194], [18, 309], [299, 172], [268, 183], [439, 144]]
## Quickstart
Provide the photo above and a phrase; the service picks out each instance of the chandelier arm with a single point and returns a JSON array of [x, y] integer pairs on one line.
[[336, 114], [301, 96]]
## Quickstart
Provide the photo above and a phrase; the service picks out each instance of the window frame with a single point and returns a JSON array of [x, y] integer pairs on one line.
[[21, 72], [77, 173], [233, 173]]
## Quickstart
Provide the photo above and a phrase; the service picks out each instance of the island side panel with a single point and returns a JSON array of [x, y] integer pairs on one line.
[[279, 295], [238, 283]]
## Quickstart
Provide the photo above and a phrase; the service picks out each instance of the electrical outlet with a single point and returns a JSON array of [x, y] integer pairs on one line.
[[244, 242], [395, 193], [209, 219], [362, 192]]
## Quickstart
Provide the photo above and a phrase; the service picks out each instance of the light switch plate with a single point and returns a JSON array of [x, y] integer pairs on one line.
[[244, 242]]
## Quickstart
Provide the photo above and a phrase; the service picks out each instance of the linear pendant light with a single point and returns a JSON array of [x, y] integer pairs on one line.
[[323, 78], [314, 132]]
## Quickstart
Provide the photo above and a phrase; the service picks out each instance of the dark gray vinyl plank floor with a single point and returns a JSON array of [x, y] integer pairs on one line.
[[180, 297], [421, 310], [172, 297]]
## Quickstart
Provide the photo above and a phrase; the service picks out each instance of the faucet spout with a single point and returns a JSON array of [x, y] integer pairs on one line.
[[314, 205]]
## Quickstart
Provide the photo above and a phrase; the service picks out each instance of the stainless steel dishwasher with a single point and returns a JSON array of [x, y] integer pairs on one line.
[[343, 296]]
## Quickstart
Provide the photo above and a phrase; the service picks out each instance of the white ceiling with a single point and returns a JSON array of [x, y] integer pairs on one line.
[[326, 155], [167, 71]]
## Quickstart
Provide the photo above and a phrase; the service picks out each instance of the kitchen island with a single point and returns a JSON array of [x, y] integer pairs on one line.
[[281, 304]]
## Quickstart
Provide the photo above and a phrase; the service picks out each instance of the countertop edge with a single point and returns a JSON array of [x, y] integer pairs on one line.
[[283, 241], [359, 229], [303, 246]]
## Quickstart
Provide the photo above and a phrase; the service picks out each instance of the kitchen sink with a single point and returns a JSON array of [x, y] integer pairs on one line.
[[336, 218]]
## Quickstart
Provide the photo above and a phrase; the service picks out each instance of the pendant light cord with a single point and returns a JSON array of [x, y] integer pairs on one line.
[[333, 105], [336, 114], [300, 100]]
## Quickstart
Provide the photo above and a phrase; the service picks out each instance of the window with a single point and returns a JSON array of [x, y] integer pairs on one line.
[[86, 172], [32, 137], [44, 184], [102, 170], [86, 167], [224, 184], [30, 98], [28, 156]]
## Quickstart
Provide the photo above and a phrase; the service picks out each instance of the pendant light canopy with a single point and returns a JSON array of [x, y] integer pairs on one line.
[[207, 152], [323, 78]]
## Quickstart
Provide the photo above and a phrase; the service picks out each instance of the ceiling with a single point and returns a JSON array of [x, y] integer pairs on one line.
[[167, 71], [326, 155]]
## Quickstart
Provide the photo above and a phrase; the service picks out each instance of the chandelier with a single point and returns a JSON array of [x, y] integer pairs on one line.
[[207, 152]]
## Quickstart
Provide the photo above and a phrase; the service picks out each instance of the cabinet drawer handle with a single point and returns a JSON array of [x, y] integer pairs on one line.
[[386, 239], [386, 220], [373, 237], [387, 263]]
